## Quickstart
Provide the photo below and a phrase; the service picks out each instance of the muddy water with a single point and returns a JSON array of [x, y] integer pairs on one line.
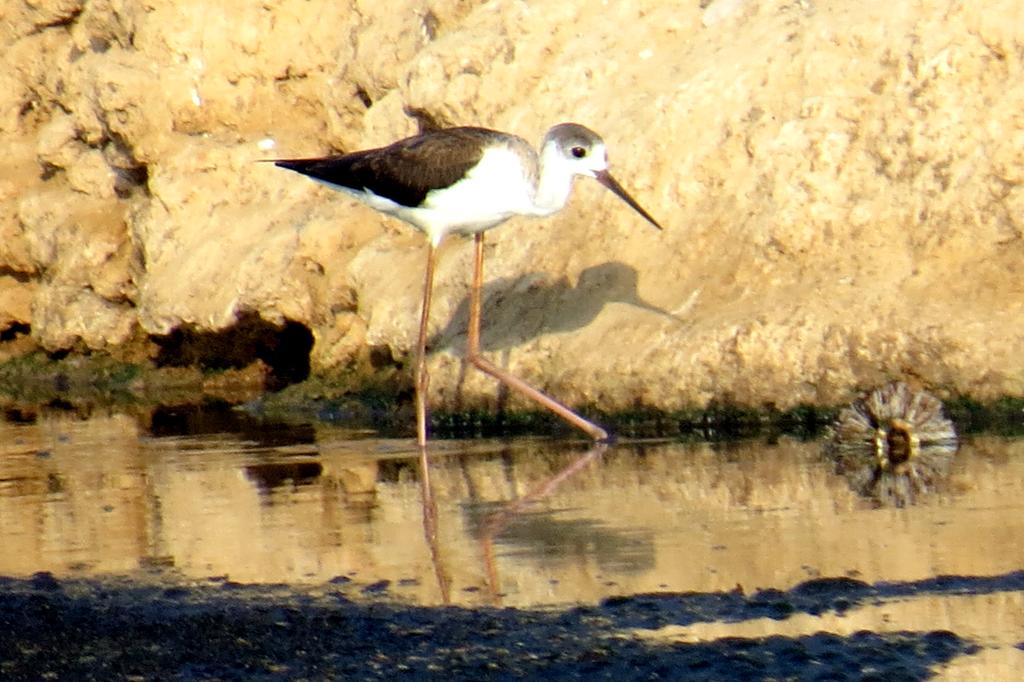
[[522, 523]]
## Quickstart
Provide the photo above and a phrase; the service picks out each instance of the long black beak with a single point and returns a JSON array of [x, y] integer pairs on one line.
[[606, 179]]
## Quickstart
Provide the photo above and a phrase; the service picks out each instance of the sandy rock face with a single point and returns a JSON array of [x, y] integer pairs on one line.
[[842, 185]]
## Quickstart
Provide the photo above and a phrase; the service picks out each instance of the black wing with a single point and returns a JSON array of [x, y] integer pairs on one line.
[[404, 171]]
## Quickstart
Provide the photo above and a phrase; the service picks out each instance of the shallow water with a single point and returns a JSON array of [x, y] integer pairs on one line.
[[521, 523]]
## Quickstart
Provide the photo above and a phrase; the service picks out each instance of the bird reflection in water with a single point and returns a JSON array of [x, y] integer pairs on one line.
[[494, 523], [893, 444], [444, 579]]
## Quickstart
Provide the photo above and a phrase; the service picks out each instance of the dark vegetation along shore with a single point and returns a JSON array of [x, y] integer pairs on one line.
[[381, 398]]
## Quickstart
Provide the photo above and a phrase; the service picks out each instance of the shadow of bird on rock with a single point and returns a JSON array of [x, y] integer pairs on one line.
[[518, 309]]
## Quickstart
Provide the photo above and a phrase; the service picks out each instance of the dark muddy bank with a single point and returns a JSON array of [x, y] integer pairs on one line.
[[116, 629]]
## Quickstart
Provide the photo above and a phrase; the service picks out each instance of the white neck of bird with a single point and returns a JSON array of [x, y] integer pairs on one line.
[[554, 182]]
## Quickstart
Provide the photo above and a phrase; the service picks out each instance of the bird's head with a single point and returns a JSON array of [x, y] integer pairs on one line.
[[581, 151]]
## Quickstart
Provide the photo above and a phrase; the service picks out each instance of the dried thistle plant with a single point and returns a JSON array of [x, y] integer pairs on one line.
[[893, 444]]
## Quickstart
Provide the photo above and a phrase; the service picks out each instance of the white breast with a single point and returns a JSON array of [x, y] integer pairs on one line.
[[492, 192]]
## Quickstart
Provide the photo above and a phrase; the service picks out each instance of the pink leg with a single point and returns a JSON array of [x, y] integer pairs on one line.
[[422, 378], [480, 362]]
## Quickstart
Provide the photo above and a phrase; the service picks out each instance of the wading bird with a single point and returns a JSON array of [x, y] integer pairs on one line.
[[466, 181]]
